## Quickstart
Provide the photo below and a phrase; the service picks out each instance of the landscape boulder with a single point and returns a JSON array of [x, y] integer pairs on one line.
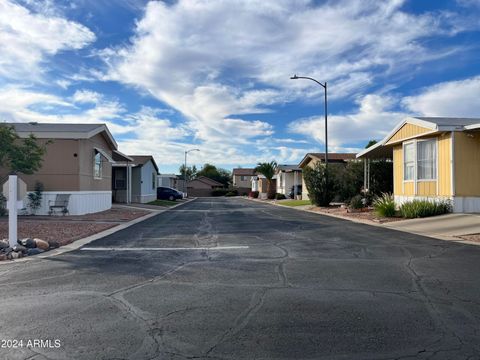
[[20, 248], [4, 244], [53, 244], [42, 244], [34, 251], [28, 243]]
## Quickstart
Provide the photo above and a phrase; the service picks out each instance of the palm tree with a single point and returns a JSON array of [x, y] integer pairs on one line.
[[268, 170]]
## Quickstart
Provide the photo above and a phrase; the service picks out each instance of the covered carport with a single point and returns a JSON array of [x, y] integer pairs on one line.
[[376, 152]]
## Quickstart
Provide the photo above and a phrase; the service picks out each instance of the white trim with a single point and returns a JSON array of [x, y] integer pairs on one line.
[[105, 155]]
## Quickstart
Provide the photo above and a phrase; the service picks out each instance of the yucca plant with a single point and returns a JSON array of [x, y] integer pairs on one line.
[[424, 208], [384, 205]]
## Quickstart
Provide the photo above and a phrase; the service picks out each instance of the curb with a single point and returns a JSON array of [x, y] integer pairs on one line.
[[372, 223], [84, 241]]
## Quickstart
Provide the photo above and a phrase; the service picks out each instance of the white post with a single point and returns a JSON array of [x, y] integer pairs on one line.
[[129, 185], [12, 210]]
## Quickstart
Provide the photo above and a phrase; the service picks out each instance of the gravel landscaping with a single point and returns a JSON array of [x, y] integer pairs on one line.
[[472, 237], [41, 233]]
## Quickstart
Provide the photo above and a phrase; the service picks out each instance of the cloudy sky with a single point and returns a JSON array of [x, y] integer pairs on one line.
[[166, 76]]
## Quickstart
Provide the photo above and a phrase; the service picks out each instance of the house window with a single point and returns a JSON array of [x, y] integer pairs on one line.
[[243, 178], [154, 182], [97, 165], [426, 160], [420, 160], [408, 161]]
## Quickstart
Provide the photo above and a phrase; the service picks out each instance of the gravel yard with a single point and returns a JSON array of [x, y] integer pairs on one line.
[[66, 229]]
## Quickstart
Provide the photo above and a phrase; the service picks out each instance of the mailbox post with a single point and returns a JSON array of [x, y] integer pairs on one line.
[[14, 190]]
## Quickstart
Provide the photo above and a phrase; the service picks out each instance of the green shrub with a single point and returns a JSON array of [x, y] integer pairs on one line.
[[356, 202], [3, 205], [232, 193], [35, 197], [219, 192], [384, 205], [279, 196], [424, 208], [321, 191]]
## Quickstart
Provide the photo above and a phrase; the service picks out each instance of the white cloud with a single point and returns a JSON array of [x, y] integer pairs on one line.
[[373, 119], [451, 98], [86, 96], [27, 39], [207, 59]]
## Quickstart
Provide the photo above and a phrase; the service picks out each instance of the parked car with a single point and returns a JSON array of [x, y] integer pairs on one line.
[[166, 193], [298, 191]]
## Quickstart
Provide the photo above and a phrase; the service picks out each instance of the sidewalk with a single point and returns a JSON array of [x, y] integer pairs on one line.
[[447, 227]]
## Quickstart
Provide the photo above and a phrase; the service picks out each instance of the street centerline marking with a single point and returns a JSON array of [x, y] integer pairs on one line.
[[164, 249]]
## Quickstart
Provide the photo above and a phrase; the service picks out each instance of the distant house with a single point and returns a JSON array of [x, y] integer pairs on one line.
[[242, 179], [287, 177], [311, 159], [78, 162], [433, 158], [168, 180], [202, 186], [135, 180], [259, 183]]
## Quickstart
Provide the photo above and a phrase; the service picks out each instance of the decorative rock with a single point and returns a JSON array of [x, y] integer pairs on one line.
[[28, 243], [34, 251], [3, 257], [41, 244], [4, 244], [53, 244], [20, 248], [16, 255], [7, 250]]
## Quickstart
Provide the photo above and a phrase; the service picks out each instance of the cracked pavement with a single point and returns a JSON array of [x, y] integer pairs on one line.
[[307, 287]]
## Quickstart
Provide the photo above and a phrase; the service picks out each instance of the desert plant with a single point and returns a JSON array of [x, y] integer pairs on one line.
[[35, 197], [253, 194], [424, 208], [268, 170], [279, 196], [320, 184], [356, 202], [384, 205], [3, 205]]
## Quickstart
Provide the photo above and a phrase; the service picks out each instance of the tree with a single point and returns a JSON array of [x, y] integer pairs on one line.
[[20, 155], [268, 170], [191, 172], [320, 190], [211, 171], [371, 143]]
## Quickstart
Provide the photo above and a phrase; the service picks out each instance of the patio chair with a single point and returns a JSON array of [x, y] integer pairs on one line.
[[59, 204]]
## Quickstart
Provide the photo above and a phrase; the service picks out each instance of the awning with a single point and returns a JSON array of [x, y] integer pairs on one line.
[[105, 154], [119, 156]]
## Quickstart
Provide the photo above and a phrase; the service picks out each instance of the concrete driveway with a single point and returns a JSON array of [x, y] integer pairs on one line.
[[233, 279]]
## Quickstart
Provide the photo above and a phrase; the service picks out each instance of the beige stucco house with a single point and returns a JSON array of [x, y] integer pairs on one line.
[[202, 186], [78, 162], [434, 158], [311, 159], [242, 179]]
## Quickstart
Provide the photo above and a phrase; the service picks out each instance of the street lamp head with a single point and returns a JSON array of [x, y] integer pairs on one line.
[[294, 77]]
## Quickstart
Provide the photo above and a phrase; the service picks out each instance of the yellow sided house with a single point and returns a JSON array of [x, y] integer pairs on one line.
[[434, 158]]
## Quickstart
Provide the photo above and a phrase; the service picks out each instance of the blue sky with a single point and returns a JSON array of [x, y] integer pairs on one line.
[[214, 75]]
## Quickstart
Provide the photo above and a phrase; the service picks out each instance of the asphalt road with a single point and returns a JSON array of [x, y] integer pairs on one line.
[[284, 284]]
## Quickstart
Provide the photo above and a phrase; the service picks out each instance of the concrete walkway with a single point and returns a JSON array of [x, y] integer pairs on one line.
[[444, 226]]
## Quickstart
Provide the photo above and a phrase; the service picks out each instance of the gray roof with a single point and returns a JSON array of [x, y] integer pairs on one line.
[[288, 168], [62, 131], [449, 121], [47, 127]]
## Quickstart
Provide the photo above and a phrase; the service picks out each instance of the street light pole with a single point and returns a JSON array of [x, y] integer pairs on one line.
[[185, 171], [295, 77]]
